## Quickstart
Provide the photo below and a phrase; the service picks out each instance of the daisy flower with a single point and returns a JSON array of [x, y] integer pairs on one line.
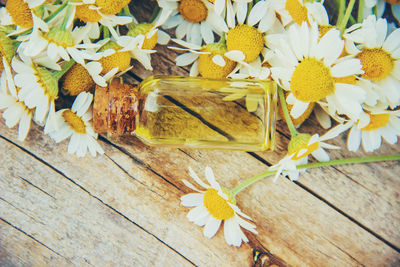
[[101, 12], [300, 147], [38, 89], [16, 112], [151, 32], [213, 206], [75, 123], [195, 19], [310, 68], [18, 12], [61, 43], [372, 128], [208, 60], [379, 56]]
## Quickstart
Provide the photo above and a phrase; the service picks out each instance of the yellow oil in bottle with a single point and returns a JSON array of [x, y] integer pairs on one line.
[[197, 112]]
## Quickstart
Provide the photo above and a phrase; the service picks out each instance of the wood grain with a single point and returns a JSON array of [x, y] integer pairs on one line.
[[124, 208]]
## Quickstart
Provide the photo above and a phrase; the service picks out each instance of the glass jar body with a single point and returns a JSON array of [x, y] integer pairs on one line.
[[203, 113]]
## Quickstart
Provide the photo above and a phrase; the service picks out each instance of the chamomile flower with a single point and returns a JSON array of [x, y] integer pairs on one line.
[[151, 32], [16, 112], [379, 55], [61, 42], [310, 68], [38, 89], [372, 128], [213, 206], [117, 58], [75, 123], [300, 147], [18, 12], [208, 60], [195, 19], [101, 13]]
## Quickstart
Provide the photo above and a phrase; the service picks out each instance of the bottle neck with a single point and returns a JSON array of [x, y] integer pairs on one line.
[[115, 109]]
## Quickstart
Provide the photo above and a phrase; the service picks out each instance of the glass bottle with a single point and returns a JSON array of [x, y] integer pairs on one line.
[[190, 112]]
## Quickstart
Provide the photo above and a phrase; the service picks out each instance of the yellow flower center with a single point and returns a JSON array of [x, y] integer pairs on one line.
[[84, 13], [111, 7], [122, 60], [194, 11], [247, 39], [208, 68], [300, 142], [20, 13], [217, 206], [77, 80], [297, 11], [311, 81], [74, 121], [377, 121], [144, 28], [376, 63]]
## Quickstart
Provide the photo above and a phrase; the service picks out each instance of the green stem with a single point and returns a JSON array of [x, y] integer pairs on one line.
[[292, 129], [66, 17], [155, 13], [375, 9], [126, 11], [342, 5], [251, 181], [223, 38], [263, 175], [349, 9], [360, 11], [50, 17], [106, 32], [57, 75], [55, 13]]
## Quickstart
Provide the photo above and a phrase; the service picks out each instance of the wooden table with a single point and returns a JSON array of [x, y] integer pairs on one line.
[[123, 208]]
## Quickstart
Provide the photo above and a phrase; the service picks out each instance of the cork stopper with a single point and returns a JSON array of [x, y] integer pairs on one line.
[[115, 109]]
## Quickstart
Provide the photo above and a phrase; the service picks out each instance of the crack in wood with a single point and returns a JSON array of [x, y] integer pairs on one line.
[[131, 176], [40, 189], [137, 161], [20, 210], [91, 195], [348, 216], [296, 182], [33, 238], [345, 252]]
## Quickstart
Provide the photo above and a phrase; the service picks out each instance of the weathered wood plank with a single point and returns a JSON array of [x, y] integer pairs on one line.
[[75, 226], [19, 249], [358, 194], [355, 191], [292, 223], [142, 197]]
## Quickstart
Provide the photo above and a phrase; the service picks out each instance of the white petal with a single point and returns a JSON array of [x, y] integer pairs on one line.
[[211, 227], [192, 199], [186, 59]]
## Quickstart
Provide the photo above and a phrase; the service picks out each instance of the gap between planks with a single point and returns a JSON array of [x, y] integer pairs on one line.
[[91, 195], [262, 160]]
